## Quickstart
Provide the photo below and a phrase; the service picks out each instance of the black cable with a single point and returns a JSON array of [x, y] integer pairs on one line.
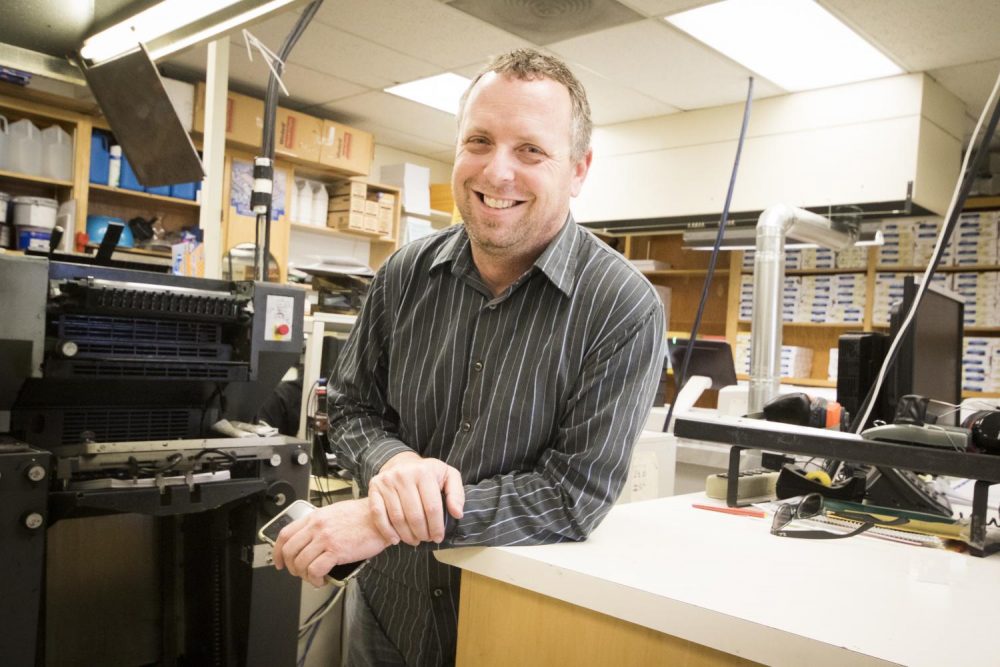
[[682, 378], [263, 252]]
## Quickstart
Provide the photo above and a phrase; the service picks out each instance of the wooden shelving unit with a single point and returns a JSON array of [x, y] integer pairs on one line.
[[685, 278]]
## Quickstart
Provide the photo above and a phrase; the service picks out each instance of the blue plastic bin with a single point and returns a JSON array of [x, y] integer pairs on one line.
[[128, 179], [162, 190], [100, 143], [184, 190]]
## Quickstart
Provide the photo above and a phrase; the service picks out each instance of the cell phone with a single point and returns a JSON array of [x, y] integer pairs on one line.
[[294, 512], [340, 574]]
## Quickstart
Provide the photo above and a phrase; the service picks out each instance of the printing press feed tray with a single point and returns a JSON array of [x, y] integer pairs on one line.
[[743, 433]]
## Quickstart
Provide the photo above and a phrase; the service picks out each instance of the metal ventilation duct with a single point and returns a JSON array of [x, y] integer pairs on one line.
[[547, 21]]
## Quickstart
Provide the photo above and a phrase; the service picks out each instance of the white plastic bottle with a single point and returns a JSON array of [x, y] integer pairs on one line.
[[320, 204], [115, 166]]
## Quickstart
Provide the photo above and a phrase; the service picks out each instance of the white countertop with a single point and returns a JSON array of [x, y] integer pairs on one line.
[[724, 581]]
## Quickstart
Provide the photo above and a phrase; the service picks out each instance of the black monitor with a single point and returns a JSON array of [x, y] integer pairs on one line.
[[929, 359], [711, 358]]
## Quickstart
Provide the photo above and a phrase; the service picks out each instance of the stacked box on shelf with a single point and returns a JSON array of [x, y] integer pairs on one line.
[[975, 239], [746, 297], [979, 292], [741, 354], [981, 364], [852, 258], [793, 259], [748, 256], [347, 206], [791, 292], [796, 361], [925, 239], [815, 299], [848, 298], [898, 247], [818, 258]]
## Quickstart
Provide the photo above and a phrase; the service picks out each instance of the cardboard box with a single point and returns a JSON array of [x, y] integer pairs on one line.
[[347, 203], [371, 221], [352, 188], [346, 148], [297, 135], [346, 220], [385, 218], [244, 117], [371, 207]]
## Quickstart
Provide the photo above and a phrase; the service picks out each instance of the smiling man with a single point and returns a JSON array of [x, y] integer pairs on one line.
[[496, 380]]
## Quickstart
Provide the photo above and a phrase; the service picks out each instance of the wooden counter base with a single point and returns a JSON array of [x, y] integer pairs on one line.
[[500, 624]]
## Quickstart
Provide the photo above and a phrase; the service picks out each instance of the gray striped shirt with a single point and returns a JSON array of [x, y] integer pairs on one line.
[[536, 396]]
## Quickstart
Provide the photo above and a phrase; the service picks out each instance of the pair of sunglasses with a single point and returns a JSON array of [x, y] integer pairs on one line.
[[810, 506]]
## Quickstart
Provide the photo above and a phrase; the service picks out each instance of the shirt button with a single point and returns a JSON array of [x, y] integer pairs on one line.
[[478, 366], [466, 427], [437, 592], [492, 306]]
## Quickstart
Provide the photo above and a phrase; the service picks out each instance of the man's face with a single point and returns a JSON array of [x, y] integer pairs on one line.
[[513, 175]]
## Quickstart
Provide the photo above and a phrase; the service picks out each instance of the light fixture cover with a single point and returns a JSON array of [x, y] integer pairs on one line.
[[797, 44], [441, 91]]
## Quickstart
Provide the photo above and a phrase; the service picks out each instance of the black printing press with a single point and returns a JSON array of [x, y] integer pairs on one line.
[[128, 531]]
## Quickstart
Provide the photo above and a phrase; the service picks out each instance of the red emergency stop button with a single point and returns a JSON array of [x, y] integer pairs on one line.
[[281, 329]]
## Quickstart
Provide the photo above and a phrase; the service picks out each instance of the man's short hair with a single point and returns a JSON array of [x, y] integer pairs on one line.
[[529, 64]]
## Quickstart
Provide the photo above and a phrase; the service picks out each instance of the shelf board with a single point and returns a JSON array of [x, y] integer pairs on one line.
[[327, 231], [799, 382], [818, 325], [813, 272], [980, 394], [144, 196], [966, 268], [675, 273], [28, 178], [981, 203], [981, 329]]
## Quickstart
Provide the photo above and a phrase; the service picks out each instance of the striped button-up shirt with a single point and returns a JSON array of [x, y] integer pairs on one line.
[[536, 396]]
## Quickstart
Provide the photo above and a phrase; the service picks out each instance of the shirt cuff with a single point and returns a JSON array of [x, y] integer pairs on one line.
[[377, 454]]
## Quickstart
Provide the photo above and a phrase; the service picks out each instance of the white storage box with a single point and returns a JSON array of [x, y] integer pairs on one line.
[[38, 212]]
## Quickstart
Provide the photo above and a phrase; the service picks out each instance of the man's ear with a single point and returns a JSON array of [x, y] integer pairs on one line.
[[580, 170]]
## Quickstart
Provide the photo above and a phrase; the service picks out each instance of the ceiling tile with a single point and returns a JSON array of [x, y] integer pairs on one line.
[[310, 87], [390, 111], [413, 143], [356, 60], [661, 8], [658, 61], [424, 29], [447, 156], [611, 102], [926, 34]]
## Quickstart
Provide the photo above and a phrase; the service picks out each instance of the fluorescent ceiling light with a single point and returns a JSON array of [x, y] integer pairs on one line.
[[795, 43], [442, 91], [173, 25]]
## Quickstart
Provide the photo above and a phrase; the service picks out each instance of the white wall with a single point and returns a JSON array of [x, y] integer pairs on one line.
[[846, 145]]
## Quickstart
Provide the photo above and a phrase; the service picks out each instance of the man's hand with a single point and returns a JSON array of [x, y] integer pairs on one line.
[[339, 533], [405, 498]]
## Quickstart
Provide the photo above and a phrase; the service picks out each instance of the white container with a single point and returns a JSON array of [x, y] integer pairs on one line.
[[115, 166], [4, 206], [36, 212], [57, 153], [303, 202], [181, 96], [320, 204], [4, 148], [24, 148]]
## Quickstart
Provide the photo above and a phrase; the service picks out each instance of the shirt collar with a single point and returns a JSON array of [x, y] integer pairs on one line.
[[557, 261]]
